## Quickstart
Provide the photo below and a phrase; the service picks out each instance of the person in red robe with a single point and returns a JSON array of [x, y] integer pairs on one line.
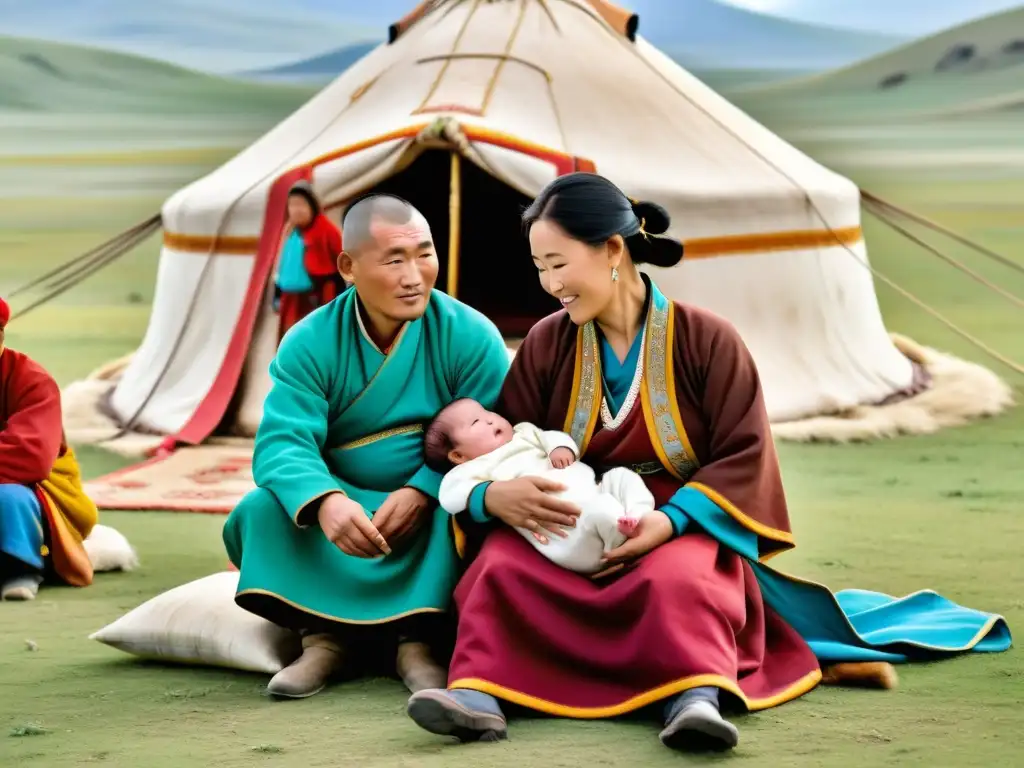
[[45, 514], [307, 273], [687, 616]]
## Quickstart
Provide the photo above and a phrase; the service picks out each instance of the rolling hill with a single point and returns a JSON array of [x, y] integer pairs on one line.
[[39, 76], [971, 69], [995, 42]]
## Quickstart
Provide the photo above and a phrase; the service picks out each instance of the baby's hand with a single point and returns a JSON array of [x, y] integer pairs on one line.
[[562, 458]]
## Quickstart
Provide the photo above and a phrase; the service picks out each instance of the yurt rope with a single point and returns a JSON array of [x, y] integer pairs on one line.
[[936, 227], [809, 200], [885, 216], [212, 254], [75, 271], [1011, 364]]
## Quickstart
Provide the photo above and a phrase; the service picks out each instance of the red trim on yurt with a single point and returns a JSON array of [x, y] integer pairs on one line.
[[211, 410]]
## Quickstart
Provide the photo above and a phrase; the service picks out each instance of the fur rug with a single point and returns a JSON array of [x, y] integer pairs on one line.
[[961, 392], [109, 550], [85, 421]]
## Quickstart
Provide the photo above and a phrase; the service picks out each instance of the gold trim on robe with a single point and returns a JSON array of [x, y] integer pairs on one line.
[[586, 391], [657, 391], [658, 396]]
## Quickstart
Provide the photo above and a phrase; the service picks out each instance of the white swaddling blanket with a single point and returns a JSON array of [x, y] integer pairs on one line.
[[621, 493]]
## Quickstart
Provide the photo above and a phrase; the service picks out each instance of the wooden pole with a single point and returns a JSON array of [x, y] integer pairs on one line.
[[454, 223]]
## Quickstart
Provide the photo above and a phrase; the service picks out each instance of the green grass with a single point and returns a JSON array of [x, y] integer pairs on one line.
[[939, 512]]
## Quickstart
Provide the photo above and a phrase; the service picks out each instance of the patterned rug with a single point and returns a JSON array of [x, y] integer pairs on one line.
[[207, 478]]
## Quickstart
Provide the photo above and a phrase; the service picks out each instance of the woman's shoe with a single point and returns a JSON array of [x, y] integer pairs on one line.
[[466, 715]]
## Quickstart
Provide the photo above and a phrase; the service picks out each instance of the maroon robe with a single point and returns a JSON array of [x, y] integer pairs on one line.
[[689, 613]]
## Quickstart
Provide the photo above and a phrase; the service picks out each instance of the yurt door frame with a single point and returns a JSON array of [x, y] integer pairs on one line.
[[211, 410]]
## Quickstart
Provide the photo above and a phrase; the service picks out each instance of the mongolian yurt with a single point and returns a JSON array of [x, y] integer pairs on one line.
[[467, 111]]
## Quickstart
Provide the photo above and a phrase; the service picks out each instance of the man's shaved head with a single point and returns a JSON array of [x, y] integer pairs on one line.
[[357, 224], [389, 256]]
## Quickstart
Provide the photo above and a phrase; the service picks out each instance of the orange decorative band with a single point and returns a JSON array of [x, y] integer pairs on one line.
[[231, 246], [699, 248], [795, 240]]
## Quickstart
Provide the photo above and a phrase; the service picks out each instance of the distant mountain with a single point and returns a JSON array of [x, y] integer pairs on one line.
[[721, 36], [315, 69], [702, 35], [911, 18], [262, 35], [210, 35]]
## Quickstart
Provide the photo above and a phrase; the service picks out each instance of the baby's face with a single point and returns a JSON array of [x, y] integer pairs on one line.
[[475, 431]]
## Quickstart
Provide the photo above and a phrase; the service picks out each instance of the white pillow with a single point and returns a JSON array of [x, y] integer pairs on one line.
[[199, 623], [109, 550]]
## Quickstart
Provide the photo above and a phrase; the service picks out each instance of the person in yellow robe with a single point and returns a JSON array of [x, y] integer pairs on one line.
[[45, 514]]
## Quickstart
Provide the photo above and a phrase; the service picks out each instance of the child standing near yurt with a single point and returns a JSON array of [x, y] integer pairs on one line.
[[307, 271]]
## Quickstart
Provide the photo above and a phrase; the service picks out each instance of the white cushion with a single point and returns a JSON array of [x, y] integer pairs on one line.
[[199, 623], [109, 550]]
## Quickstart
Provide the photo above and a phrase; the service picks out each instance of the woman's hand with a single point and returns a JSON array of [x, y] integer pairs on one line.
[[528, 503], [653, 530]]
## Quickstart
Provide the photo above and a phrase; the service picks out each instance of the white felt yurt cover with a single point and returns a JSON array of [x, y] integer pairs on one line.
[[521, 91]]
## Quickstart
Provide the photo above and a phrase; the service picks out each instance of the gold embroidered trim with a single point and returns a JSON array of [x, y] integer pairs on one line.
[[409, 429], [339, 619], [589, 374], [660, 393]]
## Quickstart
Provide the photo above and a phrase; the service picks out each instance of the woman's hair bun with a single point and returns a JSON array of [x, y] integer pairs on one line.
[[654, 249], [654, 218]]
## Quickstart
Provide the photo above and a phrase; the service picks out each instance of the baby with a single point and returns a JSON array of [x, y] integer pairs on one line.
[[479, 446]]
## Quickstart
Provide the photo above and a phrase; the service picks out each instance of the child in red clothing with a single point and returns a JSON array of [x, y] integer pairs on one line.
[[307, 272]]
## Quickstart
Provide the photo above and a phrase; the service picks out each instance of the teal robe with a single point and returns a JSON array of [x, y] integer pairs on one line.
[[341, 416]]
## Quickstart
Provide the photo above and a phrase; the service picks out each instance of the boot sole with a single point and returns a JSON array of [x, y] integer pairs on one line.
[[434, 712], [699, 734], [288, 695], [18, 595]]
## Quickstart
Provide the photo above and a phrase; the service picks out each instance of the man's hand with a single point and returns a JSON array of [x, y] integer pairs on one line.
[[653, 530], [528, 503], [401, 514], [344, 522], [562, 458]]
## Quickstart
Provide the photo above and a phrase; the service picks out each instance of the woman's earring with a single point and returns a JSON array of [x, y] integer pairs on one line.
[[615, 274]]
